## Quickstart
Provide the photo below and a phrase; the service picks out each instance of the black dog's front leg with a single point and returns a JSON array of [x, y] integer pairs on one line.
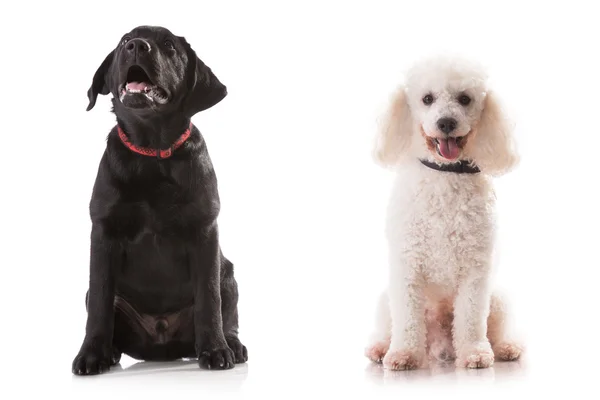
[[95, 354], [211, 346]]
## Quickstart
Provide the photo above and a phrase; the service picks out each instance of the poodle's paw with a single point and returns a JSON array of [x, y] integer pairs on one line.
[[507, 351], [478, 356], [377, 351], [400, 360]]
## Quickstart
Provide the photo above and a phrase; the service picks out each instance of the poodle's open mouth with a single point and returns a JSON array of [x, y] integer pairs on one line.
[[450, 147], [138, 83]]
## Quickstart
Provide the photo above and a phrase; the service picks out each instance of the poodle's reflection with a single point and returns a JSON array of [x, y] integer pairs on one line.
[[446, 373]]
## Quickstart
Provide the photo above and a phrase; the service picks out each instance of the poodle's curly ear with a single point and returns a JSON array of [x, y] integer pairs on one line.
[[393, 138], [493, 147]]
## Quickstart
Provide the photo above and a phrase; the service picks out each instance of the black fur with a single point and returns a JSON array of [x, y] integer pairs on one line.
[[160, 287]]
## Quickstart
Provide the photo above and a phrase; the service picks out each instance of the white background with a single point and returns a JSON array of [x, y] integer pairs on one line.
[[302, 202]]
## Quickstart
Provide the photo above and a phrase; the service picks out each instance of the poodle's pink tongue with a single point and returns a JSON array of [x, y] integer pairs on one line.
[[449, 148]]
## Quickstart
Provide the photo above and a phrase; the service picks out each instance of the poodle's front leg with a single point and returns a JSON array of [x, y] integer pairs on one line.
[[407, 309], [471, 310], [379, 342]]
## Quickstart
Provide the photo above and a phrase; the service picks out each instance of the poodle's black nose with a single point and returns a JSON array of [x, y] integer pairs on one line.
[[446, 125]]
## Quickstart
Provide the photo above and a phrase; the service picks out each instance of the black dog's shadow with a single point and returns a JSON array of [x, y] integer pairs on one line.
[[182, 370], [151, 375], [157, 367]]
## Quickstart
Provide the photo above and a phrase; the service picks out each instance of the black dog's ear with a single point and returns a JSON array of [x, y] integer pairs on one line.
[[99, 84], [205, 89]]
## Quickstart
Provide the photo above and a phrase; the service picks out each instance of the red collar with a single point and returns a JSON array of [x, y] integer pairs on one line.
[[153, 152]]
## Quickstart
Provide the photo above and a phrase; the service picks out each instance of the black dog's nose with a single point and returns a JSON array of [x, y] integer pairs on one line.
[[446, 125], [137, 45]]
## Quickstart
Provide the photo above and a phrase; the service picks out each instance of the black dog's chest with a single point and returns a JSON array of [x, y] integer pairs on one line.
[[157, 209], [152, 223], [156, 274], [137, 218]]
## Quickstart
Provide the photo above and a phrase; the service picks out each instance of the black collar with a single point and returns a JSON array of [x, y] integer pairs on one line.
[[459, 167]]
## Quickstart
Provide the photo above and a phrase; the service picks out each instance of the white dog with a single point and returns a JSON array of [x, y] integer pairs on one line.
[[446, 137]]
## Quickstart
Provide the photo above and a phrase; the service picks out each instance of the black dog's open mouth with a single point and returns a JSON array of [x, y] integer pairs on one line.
[[139, 84]]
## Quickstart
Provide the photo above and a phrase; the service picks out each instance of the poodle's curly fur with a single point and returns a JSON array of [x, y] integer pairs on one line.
[[439, 303]]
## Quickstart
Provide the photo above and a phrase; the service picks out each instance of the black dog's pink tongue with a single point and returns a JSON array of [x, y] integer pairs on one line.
[[449, 148], [141, 86]]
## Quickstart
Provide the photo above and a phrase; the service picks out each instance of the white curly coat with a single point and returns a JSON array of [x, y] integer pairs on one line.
[[440, 225]]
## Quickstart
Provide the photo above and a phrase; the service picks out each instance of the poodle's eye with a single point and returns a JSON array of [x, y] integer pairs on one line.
[[428, 99], [464, 100]]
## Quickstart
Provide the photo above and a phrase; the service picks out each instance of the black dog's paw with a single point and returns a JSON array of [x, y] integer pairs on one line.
[[93, 360], [239, 350], [216, 359], [115, 357]]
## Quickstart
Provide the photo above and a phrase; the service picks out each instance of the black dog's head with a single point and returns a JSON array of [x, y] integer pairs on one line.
[[153, 70]]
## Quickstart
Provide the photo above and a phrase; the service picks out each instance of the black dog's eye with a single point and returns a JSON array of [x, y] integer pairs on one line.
[[464, 100], [125, 40], [169, 44], [428, 99]]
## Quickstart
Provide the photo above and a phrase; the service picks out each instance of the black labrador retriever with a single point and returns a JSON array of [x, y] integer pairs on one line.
[[160, 287]]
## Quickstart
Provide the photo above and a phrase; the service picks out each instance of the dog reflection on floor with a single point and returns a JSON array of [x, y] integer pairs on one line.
[[150, 367], [445, 372]]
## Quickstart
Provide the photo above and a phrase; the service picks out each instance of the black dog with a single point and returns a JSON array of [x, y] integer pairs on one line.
[[160, 287]]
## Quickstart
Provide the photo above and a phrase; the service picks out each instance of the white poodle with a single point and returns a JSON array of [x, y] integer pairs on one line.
[[445, 136]]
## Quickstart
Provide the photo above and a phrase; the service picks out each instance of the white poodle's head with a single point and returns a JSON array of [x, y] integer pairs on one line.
[[445, 112]]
